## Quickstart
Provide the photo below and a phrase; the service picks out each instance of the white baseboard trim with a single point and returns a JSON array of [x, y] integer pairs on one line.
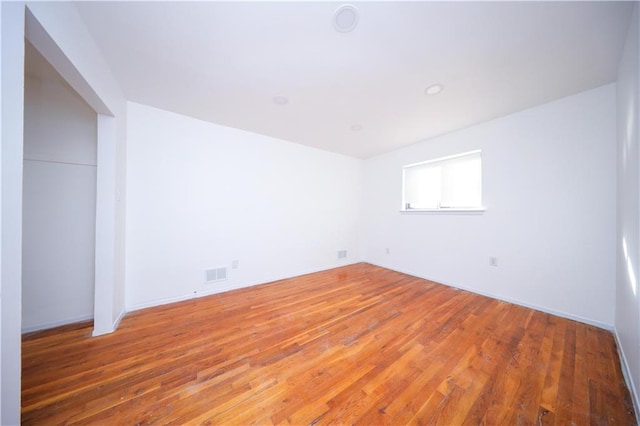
[[608, 327], [116, 323], [53, 324], [96, 332], [183, 297], [113, 327], [626, 372], [165, 301]]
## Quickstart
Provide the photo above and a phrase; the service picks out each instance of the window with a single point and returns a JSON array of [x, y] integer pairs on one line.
[[453, 182]]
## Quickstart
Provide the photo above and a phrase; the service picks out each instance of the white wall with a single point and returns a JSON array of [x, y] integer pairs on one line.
[[202, 195], [627, 319], [1, 258], [59, 199], [12, 77], [548, 175]]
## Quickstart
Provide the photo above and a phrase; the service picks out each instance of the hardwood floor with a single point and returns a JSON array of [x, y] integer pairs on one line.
[[358, 344]]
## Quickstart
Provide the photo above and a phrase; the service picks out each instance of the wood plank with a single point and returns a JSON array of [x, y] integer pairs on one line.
[[359, 344]]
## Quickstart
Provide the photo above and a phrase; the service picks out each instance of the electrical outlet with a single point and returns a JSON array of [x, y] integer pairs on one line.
[[493, 261], [235, 264], [387, 250]]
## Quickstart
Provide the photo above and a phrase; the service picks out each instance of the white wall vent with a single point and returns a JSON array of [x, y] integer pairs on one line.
[[342, 254], [215, 274]]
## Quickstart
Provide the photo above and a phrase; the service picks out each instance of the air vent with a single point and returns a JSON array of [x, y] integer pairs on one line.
[[215, 274]]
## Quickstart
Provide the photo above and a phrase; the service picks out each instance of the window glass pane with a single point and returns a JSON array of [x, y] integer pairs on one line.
[[461, 183], [447, 183], [423, 186]]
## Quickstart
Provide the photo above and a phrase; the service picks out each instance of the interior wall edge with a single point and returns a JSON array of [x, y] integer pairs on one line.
[[39, 37], [11, 138]]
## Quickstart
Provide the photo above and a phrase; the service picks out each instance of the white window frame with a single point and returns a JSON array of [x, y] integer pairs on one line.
[[405, 208]]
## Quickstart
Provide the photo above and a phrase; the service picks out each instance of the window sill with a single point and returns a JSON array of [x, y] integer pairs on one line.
[[471, 210]]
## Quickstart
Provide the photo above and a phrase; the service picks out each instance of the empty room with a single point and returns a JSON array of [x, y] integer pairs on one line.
[[312, 213]]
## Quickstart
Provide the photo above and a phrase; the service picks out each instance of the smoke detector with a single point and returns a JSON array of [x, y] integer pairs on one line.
[[345, 18]]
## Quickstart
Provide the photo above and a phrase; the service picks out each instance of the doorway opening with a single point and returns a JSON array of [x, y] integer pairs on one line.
[[59, 199]]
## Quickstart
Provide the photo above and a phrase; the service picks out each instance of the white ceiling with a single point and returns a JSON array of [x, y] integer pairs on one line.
[[225, 62]]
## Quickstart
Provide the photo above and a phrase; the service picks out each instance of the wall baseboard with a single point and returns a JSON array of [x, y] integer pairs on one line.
[[54, 324], [116, 323], [604, 326], [626, 372], [181, 298]]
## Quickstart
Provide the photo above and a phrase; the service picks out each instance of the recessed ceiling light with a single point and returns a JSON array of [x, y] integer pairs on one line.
[[280, 100], [345, 18], [356, 127], [434, 89]]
